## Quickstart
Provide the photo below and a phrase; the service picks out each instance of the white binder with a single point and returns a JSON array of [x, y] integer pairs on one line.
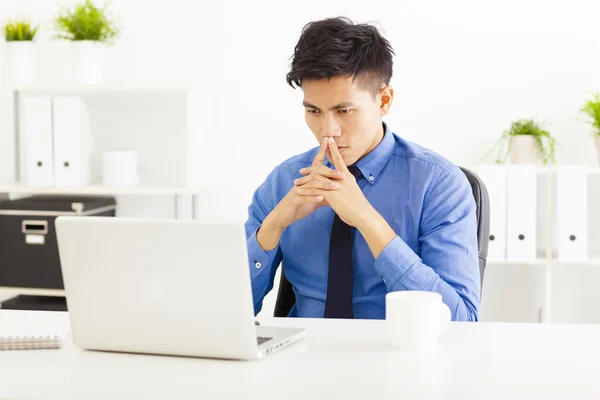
[[35, 141], [71, 142], [494, 178], [572, 206], [521, 211]]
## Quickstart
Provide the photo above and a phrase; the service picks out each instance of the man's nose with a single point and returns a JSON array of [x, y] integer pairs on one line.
[[330, 128]]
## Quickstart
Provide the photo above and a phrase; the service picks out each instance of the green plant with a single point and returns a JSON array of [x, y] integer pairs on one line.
[[19, 31], [86, 22], [592, 109], [545, 143]]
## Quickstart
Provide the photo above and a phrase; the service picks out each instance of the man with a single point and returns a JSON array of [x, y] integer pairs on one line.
[[367, 212]]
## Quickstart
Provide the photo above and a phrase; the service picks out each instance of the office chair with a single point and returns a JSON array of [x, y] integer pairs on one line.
[[286, 297]]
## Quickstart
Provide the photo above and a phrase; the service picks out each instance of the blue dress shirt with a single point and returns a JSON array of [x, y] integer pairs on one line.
[[426, 200]]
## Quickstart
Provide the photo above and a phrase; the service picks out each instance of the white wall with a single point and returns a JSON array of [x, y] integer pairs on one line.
[[463, 71]]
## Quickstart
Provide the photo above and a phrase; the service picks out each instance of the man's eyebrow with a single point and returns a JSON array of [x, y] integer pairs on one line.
[[342, 105], [336, 107], [308, 105]]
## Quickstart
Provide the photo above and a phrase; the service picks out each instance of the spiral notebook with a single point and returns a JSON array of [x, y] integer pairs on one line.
[[33, 330]]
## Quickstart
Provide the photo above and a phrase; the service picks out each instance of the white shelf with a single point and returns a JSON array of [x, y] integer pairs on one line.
[[586, 262], [102, 190], [524, 262], [552, 169], [594, 171], [103, 88], [14, 291], [544, 262]]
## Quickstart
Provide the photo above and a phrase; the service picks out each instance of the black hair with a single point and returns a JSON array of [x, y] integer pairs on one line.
[[339, 47]]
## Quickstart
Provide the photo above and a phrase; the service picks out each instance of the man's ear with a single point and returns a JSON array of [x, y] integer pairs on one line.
[[386, 94]]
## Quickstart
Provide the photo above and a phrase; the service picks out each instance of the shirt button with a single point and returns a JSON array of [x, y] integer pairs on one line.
[[371, 178], [258, 265]]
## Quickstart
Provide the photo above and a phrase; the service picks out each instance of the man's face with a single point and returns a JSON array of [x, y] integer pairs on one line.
[[340, 108]]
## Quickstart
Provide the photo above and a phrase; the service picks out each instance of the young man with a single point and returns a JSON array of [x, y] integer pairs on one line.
[[367, 212]]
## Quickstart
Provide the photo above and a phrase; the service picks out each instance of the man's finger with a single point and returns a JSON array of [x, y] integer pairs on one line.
[[318, 184], [320, 157], [312, 192], [336, 156], [309, 199], [312, 178], [323, 171]]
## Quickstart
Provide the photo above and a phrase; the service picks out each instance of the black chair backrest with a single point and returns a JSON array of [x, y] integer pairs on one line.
[[286, 298]]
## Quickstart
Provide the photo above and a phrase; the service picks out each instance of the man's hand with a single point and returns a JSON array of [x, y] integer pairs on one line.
[[348, 201], [297, 204]]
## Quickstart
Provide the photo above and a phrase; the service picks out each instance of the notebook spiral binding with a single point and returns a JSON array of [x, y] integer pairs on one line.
[[30, 342]]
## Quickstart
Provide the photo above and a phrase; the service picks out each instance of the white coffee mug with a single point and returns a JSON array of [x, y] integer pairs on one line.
[[415, 319]]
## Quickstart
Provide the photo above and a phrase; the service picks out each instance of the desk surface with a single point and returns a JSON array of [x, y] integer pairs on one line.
[[338, 360]]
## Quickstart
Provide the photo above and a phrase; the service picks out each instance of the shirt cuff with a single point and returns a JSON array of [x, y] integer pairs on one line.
[[394, 261], [258, 258]]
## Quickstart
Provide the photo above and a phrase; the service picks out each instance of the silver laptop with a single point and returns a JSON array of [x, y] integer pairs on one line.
[[162, 287]]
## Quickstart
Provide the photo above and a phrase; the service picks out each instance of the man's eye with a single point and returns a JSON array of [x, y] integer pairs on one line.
[[311, 111], [346, 111]]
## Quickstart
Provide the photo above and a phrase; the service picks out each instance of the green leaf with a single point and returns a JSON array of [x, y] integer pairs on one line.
[[545, 142], [19, 31], [592, 109], [86, 22]]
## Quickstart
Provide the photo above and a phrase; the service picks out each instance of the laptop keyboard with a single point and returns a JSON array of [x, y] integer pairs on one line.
[[261, 339]]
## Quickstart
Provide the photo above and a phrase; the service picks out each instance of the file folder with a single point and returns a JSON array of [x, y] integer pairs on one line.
[[71, 142], [521, 213], [494, 178], [572, 207], [35, 141]]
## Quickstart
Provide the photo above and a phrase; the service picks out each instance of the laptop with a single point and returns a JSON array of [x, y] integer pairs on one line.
[[169, 287]]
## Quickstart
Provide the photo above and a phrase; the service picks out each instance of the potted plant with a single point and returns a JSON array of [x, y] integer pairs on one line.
[[592, 109], [527, 143], [20, 48], [90, 29]]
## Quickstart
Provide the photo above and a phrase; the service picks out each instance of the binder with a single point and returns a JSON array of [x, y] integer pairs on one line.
[[572, 206], [33, 330], [35, 137], [71, 142], [494, 178], [521, 213]]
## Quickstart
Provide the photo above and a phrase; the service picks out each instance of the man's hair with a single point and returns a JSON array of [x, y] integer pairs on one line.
[[338, 47]]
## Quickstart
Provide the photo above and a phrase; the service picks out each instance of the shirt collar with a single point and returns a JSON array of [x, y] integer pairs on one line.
[[372, 164]]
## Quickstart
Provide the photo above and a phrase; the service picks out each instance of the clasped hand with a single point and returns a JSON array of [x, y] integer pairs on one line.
[[335, 188]]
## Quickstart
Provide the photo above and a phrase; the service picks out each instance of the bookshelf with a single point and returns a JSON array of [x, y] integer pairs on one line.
[[152, 118], [101, 190], [547, 261]]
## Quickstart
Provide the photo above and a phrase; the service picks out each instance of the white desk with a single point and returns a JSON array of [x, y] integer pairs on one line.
[[338, 360]]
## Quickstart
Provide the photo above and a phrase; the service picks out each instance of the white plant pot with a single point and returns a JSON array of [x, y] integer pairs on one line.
[[597, 141], [88, 61], [523, 150], [21, 57]]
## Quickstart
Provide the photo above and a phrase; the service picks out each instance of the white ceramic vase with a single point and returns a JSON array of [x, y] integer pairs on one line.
[[523, 150], [88, 61], [597, 141], [21, 57]]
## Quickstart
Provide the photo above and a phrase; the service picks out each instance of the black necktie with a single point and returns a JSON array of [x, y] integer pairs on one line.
[[340, 279]]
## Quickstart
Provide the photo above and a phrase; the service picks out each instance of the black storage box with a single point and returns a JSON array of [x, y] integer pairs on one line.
[[28, 249]]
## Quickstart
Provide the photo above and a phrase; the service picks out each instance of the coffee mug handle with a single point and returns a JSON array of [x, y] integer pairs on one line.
[[445, 316]]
